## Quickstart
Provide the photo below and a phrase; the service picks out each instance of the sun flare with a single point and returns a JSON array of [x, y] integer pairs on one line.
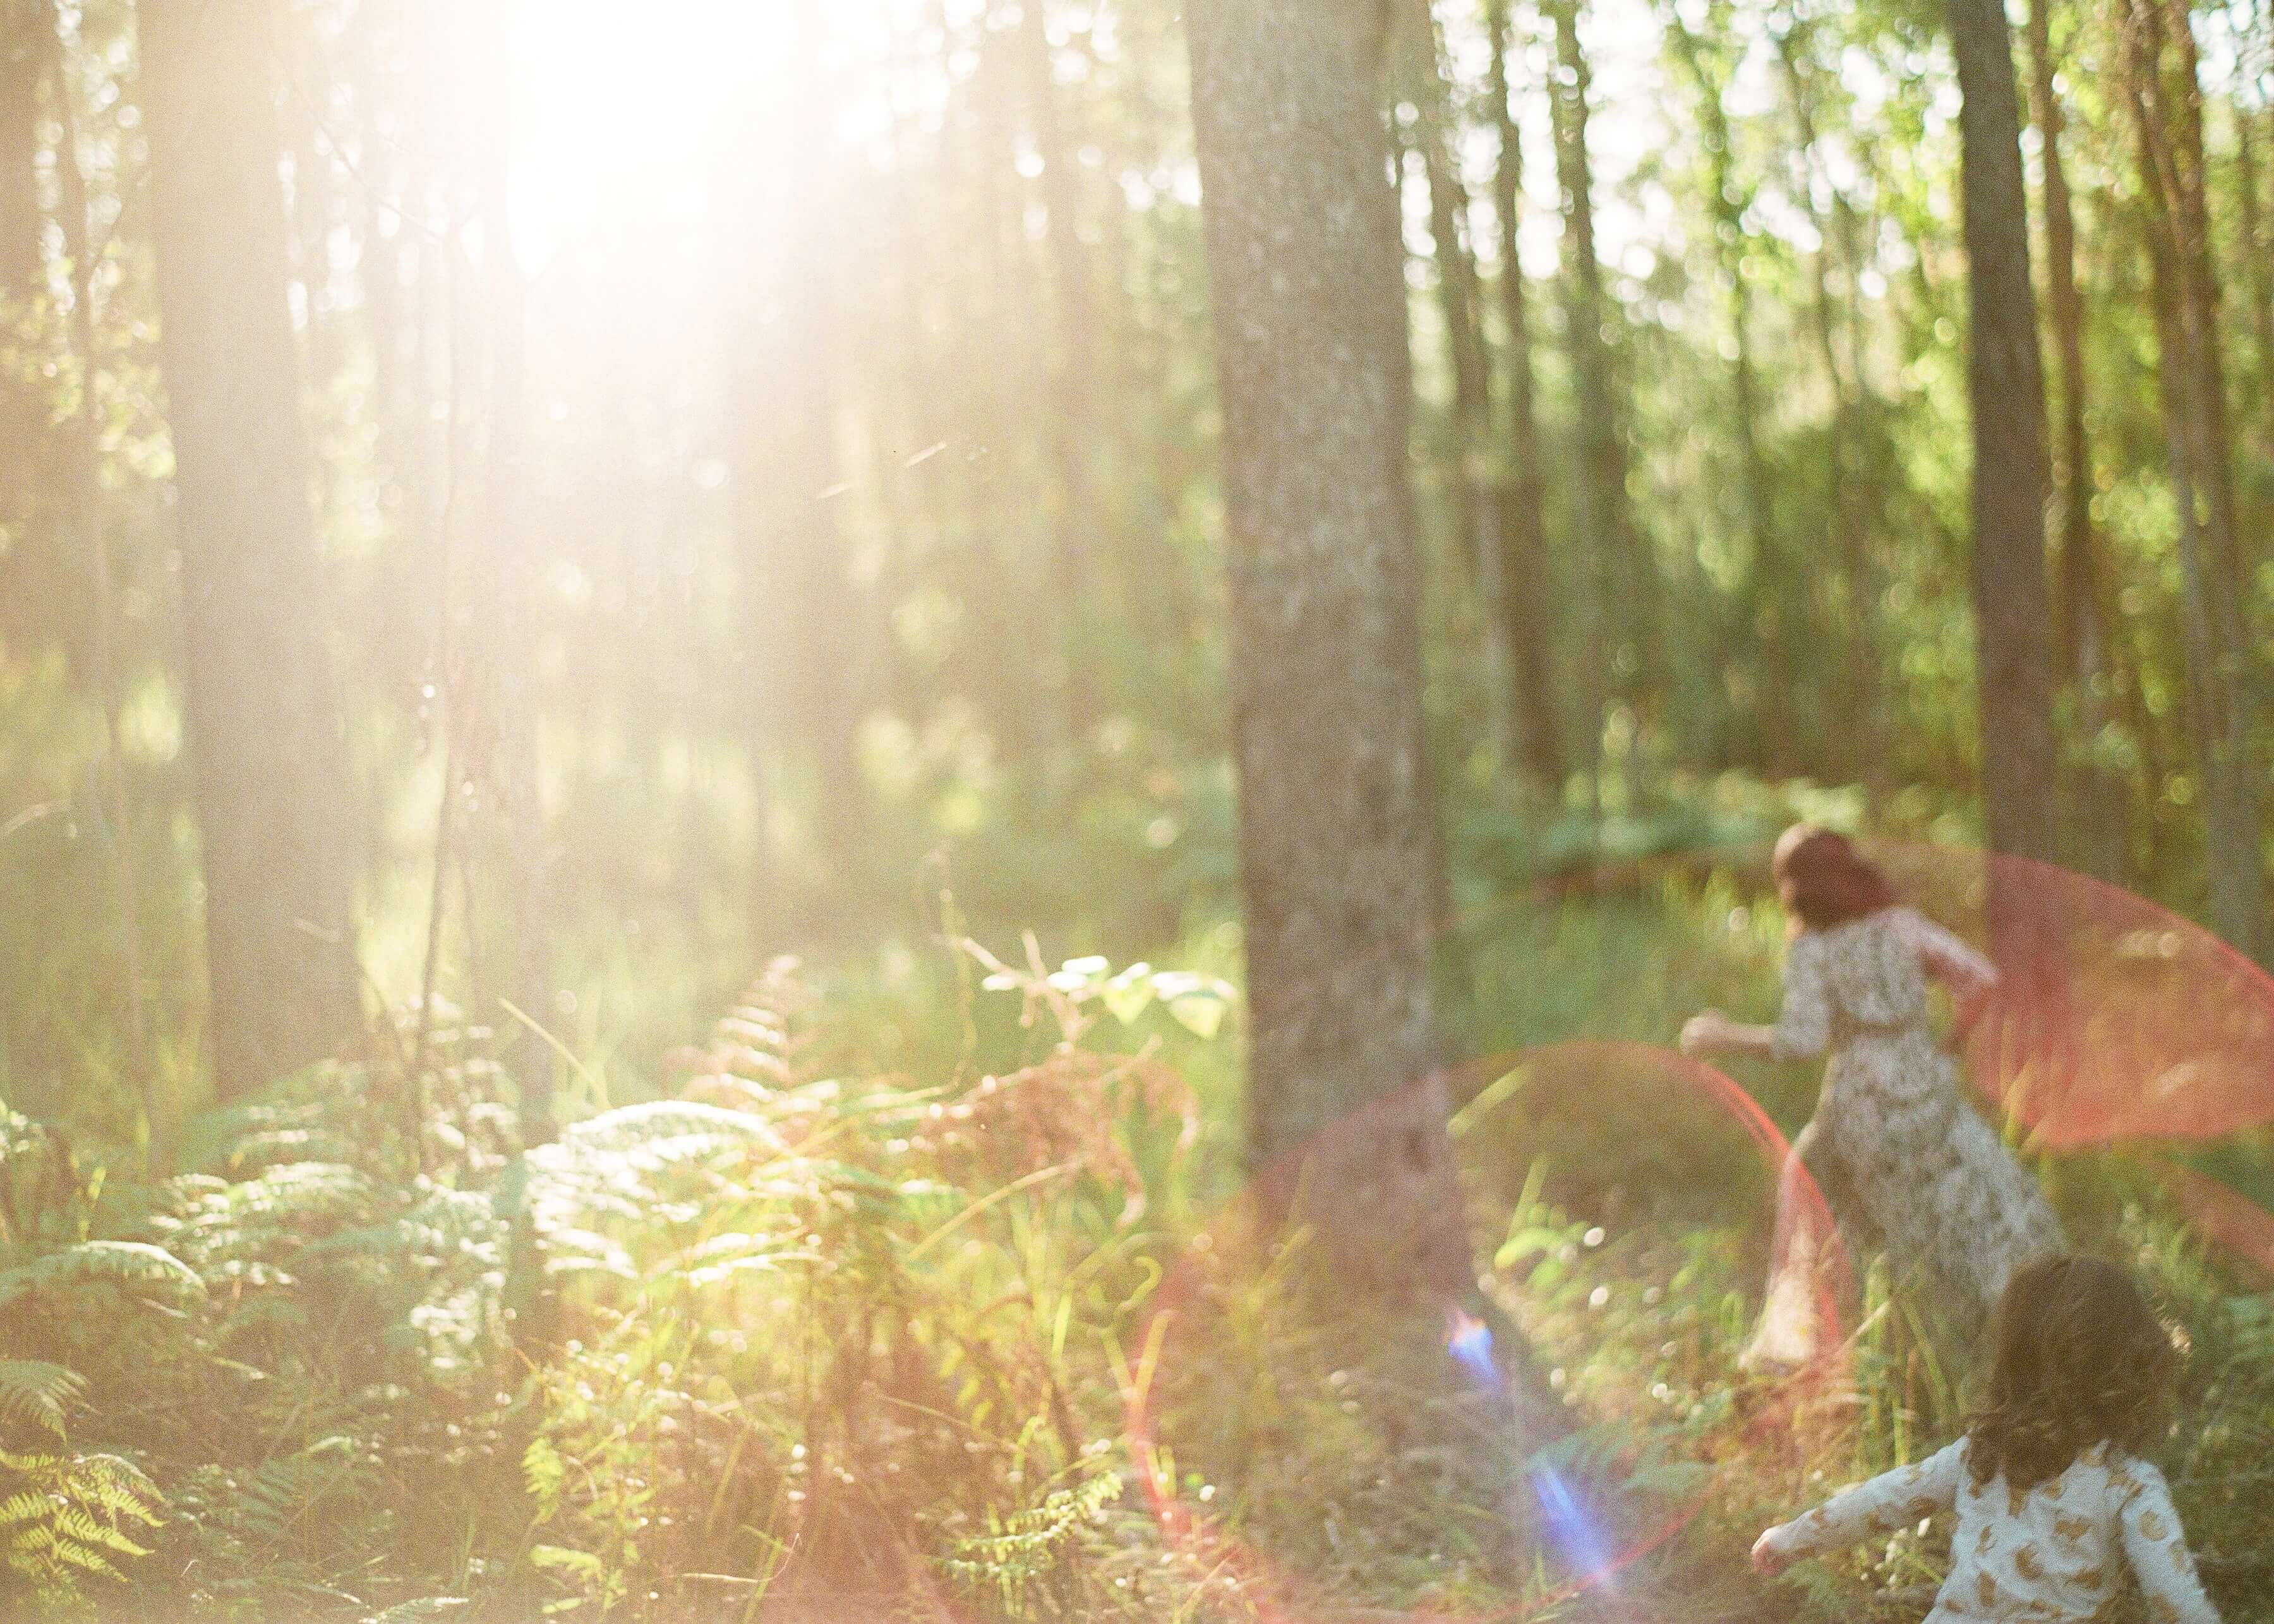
[[614, 114]]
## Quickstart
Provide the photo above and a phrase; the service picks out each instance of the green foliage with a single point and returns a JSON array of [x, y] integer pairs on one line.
[[1028, 1550], [37, 1393], [61, 1519]]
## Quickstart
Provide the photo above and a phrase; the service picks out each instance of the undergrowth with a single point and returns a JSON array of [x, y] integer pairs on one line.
[[807, 1336]]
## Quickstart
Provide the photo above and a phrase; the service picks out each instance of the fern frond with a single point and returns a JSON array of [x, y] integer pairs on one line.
[[134, 1263], [34, 1391]]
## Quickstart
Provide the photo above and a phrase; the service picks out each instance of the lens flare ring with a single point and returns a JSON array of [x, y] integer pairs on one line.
[[1575, 1530]]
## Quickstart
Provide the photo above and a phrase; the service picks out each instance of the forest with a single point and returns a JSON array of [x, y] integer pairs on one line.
[[910, 810]]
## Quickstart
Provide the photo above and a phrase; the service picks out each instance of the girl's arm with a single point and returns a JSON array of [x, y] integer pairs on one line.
[[1896, 1500], [1804, 1026], [1950, 960], [2157, 1549]]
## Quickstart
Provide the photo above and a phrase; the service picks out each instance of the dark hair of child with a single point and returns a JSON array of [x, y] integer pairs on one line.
[[1824, 880], [2080, 1359]]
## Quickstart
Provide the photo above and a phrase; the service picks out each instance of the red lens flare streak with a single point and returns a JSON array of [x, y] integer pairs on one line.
[[1274, 1594]]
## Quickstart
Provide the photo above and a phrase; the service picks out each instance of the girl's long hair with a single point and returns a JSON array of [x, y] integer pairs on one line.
[[2081, 1360], [1825, 881]]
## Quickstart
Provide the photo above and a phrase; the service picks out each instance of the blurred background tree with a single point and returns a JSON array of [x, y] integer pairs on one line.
[[561, 512]]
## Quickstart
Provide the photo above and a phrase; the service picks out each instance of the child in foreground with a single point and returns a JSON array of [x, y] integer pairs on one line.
[[2054, 1502]]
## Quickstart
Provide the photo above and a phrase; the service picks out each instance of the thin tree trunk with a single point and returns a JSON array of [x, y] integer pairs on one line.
[[23, 279], [2012, 613], [1726, 205], [2098, 795], [1474, 517], [271, 774], [1522, 503], [509, 655], [1852, 603], [1605, 526], [2257, 238], [1073, 366], [2161, 86], [91, 544], [23, 266], [806, 709]]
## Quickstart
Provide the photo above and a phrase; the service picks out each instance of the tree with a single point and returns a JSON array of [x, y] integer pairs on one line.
[[270, 771], [2251, 126], [1710, 61], [1850, 584], [1475, 520], [2012, 609], [1073, 426], [1304, 268], [24, 46], [1603, 523], [2087, 665], [24, 37], [805, 701], [1523, 497], [2162, 86]]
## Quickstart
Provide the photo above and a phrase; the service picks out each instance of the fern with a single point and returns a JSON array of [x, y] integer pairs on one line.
[[1024, 1549], [37, 1393], [135, 1264], [61, 1519]]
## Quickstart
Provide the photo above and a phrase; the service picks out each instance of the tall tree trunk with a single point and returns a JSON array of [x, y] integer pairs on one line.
[[2012, 613], [271, 776], [1305, 266], [1073, 367], [505, 699], [1852, 587], [24, 30], [1523, 501], [2250, 127], [1474, 515], [2161, 85], [1604, 527], [83, 438], [1728, 198], [806, 706], [2097, 793]]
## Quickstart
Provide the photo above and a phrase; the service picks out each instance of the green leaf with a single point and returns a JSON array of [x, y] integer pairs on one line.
[[1199, 1013], [1130, 994]]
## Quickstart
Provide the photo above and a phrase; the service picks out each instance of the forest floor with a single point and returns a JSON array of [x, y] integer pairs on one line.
[[841, 1329]]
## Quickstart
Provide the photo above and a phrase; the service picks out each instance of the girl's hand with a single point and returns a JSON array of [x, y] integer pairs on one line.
[[1702, 1034], [1768, 1552]]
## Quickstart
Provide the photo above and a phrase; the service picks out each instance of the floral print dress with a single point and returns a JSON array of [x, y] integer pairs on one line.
[[1906, 1163], [2047, 1555]]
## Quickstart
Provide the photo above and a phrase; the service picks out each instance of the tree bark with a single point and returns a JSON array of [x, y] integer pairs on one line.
[[1073, 367], [270, 773], [24, 34], [1851, 588], [2257, 240], [2097, 793], [1726, 201], [505, 701], [1305, 266], [2162, 88], [1604, 524], [2013, 612], [1475, 519], [1522, 502], [805, 702]]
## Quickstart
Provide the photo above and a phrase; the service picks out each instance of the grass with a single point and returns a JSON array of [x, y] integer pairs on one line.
[[864, 1318]]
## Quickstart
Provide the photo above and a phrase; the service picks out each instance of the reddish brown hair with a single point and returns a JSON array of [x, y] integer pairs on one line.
[[2080, 1359], [1825, 881]]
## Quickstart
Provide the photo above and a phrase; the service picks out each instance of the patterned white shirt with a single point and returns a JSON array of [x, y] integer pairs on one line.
[[2048, 1555]]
